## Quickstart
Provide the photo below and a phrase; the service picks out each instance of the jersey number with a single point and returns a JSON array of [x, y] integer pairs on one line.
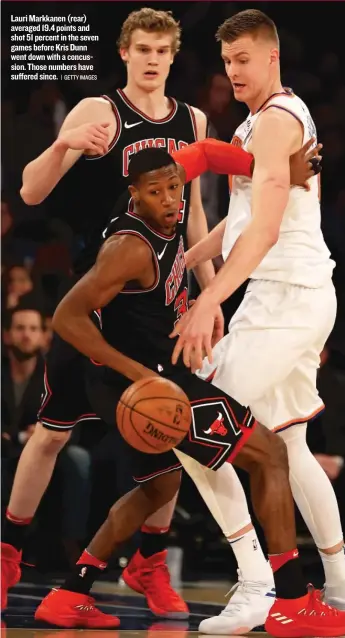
[[181, 305]]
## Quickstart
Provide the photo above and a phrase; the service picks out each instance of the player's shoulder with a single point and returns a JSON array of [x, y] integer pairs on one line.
[[123, 244], [93, 105], [200, 121]]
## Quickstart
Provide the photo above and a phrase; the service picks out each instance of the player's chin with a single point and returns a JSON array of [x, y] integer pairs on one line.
[[170, 219]]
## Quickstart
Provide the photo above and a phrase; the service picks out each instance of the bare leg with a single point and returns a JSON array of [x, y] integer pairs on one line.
[[265, 458], [131, 511]]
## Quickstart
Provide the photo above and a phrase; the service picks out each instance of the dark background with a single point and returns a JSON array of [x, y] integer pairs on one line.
[[45, 239]]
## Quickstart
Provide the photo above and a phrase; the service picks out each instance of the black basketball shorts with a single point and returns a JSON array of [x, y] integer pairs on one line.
[[64, 402], [220, 426]]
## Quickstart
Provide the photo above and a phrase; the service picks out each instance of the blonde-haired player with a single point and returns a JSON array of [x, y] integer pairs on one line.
[[270, 357]]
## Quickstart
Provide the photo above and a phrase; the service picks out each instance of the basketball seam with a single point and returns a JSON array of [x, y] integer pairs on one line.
[[138, 434], [147, 416], [143, 385]]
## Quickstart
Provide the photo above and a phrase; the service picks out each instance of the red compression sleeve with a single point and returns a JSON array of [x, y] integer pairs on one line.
[[213, 155]]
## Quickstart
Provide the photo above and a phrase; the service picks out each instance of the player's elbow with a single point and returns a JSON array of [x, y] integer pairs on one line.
[[30, 198], [271, 236], [60, 320]]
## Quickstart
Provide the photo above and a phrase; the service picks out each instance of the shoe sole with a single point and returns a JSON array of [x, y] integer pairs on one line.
[[326, 632], [44, 616], [171, 615], [235, 632]]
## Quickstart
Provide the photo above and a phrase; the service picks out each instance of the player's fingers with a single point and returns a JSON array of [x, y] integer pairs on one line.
[[306, 185], [314, 152], [92, 146], [102, 143], [187, 351], [177, 351], [208, 348], [105, 124], [307, 145], [175, 332]]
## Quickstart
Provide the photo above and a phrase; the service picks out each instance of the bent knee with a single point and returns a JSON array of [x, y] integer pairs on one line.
[[163, 488], [50, 440], [279, 453]]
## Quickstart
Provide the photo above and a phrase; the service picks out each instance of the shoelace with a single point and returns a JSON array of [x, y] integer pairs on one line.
[[160, 581], [317, 606], [88, 607], [245, 588]]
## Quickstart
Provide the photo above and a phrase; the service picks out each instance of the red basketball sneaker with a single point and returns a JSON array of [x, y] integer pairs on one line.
[[68, 609], [150, 576], [303, 617], [10, 570]]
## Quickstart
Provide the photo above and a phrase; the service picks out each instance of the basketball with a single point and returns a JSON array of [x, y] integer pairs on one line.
[[153, 415]]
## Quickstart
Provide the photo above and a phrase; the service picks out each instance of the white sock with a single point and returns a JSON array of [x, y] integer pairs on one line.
[[250, 557], [334, 566], [225, 498]]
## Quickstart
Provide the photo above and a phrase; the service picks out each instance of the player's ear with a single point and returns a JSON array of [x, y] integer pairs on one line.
[[124, 55], [274, 55], [134, 192]]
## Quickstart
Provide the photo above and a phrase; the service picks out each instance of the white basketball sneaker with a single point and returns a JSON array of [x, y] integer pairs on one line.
[[247, 608], [334, 595]]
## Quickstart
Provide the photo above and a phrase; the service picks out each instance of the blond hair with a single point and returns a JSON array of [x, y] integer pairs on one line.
[[151, 21]]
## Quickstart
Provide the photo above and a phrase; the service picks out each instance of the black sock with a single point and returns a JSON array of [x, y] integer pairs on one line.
[[84, 574], [288, 576], [82, 578], [15, 532], [152, 542]]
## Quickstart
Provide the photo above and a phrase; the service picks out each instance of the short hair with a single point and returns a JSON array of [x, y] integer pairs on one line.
[[152, 21], [9, 314], [147, 160], [252, 22]]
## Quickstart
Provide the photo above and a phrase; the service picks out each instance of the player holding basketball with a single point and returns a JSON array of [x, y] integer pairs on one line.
[[103, 134], [140, 282], [270, 358], [112, 129]]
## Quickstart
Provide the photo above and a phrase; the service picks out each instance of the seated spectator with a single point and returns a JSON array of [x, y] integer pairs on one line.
[[22, 387], [17, 281]]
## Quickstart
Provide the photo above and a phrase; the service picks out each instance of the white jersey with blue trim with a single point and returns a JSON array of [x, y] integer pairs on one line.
[[300, 255]]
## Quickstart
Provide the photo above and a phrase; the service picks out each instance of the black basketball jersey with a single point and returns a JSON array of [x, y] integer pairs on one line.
[[108, 173], [138, 321]]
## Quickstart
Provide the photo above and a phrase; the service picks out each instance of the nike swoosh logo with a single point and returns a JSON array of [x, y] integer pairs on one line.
[[131, 125], [160, 255], [105, 230]]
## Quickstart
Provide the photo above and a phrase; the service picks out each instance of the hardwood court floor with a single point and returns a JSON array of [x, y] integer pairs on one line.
[[136, 620]]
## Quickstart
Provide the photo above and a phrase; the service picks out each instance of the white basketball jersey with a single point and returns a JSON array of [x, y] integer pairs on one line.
[[300, 256]]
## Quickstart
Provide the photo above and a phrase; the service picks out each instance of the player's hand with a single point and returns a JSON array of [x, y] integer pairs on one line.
[[194, 331], [301, 166], [218, 328], [145, 373], [93, 138]]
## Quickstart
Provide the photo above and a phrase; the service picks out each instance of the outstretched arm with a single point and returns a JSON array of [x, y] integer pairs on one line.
[[113, 268], [215, 156], [276, 136], [86, 128]]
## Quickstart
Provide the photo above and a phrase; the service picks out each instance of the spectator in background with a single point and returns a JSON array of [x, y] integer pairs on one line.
[[217, 101], [38, 127], [22, 386], [17, 281]]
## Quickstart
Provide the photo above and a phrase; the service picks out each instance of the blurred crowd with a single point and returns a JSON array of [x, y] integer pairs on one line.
[[39, 245]]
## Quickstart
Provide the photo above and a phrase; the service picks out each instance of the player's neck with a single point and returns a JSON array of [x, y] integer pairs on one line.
[[154, 104], [274, 87]]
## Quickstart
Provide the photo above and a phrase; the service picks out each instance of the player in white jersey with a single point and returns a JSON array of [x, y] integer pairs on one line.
[[270, 357]]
